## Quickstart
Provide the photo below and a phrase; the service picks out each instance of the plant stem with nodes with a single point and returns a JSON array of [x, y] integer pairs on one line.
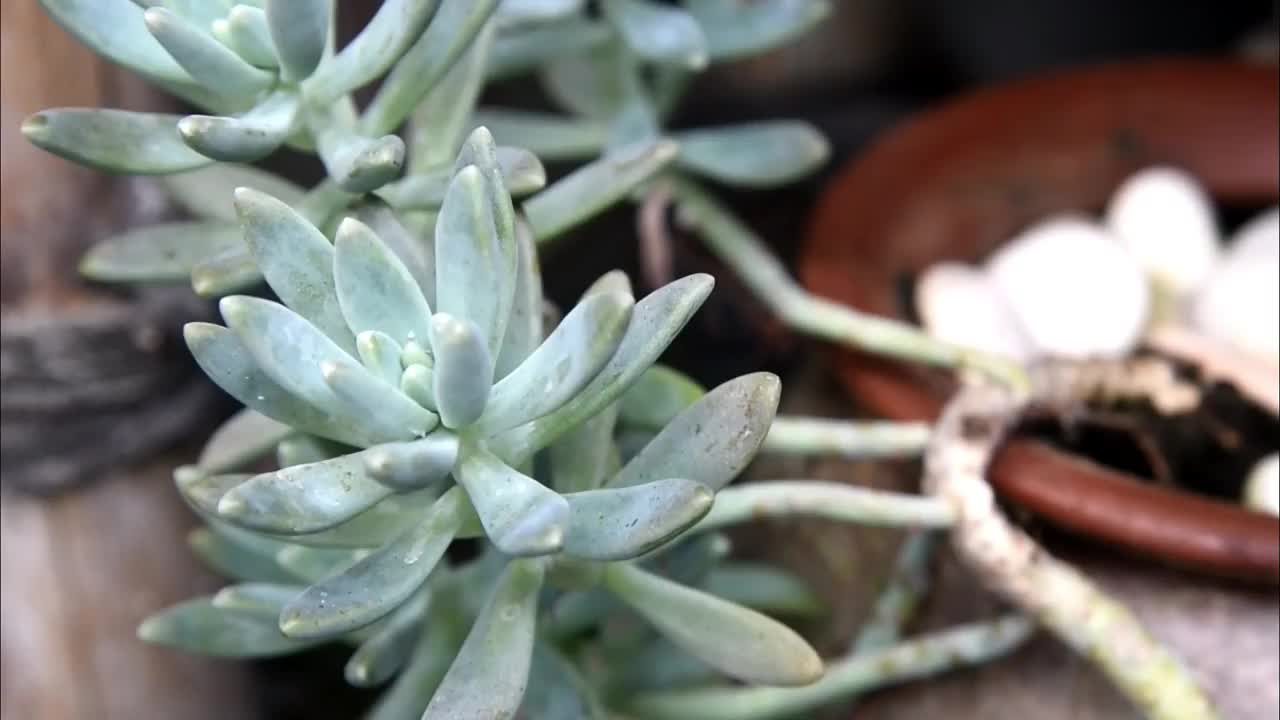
[[795, 435], [830, 500], [971, 428]]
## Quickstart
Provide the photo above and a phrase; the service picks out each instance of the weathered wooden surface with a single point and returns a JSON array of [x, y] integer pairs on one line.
[[1228, 635], [94, 386]]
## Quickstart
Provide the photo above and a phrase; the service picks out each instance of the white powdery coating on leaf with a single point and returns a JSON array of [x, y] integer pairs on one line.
[[959, 304], [1164, 217], [1075, 291]]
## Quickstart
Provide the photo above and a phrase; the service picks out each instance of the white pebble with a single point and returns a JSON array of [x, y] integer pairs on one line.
[[961, 305], [1164, 217], [1262, 488], [1257, 239], [1240, 306], [1075, 291]]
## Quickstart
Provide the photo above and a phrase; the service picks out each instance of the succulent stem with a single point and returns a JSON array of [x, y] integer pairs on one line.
[[831, 500], [794, 435]]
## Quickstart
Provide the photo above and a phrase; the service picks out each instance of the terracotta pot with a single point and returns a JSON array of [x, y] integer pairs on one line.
[[956, 182]]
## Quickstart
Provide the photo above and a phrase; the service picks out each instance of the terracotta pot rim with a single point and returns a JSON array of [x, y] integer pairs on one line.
[[979, 144]]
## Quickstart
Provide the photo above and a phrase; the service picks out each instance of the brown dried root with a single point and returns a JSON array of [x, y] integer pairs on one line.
[[969, 431]]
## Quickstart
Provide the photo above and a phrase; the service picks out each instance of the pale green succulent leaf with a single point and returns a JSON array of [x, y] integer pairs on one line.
[[689, 561], [432, 655], [114, 141], [438, 123], [380, 354], [524, 327], [377, 46], [241, 439], [235, 560], [231, 270], [735, 30], [626, 523], [300, 449], [248, 34], [359, 164], [382, 409], [200, 12], [661, 666], [415, 464], [580, 458], [164, 252], [211, 63], [758, 155], [463, 370], [390, 647], [595, 187], [311, 564], [209, 192], [562, 365], [636, 123], [375, 585], [198, 626], [548, 136], [300, 33], [372, 528], [416, 252], [248, 137], [659, 33], [202, 491], [591, 83], [522, 174], [489, 676], [426, 62], [737, 641], [520, 515], [519, 12], [657, 398], [418, 382], [763, 588], [304, 498], [375, 289], [556, 690], [655, 321], [265, 599], [297, 261], [712, 440], [529, 48]]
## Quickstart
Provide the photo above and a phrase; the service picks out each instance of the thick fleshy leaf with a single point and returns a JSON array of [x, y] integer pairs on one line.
[[266, 599], [689, 561], [372, 528], [433, 653], [418, 382], [661, 666], [524, 327], [580, 458], [522, 173], [626, 523], [243, 438], [548, 136], [416, 464], [202, 491], [739, 642], [235, 560], [481, 151], [229, 271], [380, 355], [489, 676], [386, 37], [315, 564], [657, 398], [473, 273], [360, 164], [637, 121], [246, 138], [114, 141], [518, 12], [463, 370], [379, 582], [735, 30], [381, 408], [300, 33], [115, 30], [659, 33], [763, 588], [569, 358], [594, 187], [556, 690], [211, 63], [301, 449], [655, 321], [591, 83], [425, 64], [209, 192], [304, 498], [245, 30], [165, 252], [230, 365], [297, 261], [712, 440], [417, 253], [760, 155], [438, 123], [389, 649], [532, 47], [520, 515], [375, 289], [197, 626]]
